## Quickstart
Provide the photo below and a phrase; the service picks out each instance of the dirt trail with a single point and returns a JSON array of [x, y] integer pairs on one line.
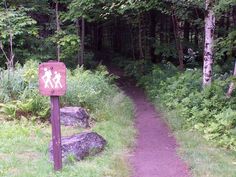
[[155, 152]]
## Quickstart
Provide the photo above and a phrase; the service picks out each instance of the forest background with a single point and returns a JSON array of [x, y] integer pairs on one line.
[[182, 52]]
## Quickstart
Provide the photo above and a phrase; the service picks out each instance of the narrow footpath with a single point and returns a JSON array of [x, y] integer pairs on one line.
[[155, 152]]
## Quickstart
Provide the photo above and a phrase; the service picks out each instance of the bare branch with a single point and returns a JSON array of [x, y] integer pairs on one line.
[[3, 51]]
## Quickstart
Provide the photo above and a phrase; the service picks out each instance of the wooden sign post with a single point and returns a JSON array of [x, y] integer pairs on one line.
[[52, 82]]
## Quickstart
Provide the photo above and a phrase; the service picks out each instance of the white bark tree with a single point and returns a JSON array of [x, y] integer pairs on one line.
[[209, 40], [232, 84]]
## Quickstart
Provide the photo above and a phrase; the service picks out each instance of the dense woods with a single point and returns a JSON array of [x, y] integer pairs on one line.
[[189, 34], [74, 31], [181, 52]]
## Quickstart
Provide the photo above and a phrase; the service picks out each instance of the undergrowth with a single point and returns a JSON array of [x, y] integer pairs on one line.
[[25, 131], [202, 120], [24, 145], [207, 110], [20, 98]]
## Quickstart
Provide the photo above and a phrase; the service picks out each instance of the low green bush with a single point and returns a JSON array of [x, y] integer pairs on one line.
[[109, 107], [19, 94], [31, 157], [207, 110]]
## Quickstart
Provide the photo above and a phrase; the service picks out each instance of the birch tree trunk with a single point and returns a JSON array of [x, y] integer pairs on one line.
[[232, 85], [209, 40]]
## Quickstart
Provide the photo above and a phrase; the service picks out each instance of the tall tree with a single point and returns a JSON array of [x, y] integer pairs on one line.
[[179, 46], [209, 40], [14, 23], [140, 36], [58, 29], [152, 35], [82, 41], [232, 84]]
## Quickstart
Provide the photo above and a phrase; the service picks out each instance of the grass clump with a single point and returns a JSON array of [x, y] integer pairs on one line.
[[24, 146]]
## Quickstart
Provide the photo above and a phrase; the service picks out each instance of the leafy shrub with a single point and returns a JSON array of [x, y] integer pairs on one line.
[[207, 110], [89, 88], [134, 68], [165, 50], [89, 60], [225, 46], [20, 97], [138, 68]]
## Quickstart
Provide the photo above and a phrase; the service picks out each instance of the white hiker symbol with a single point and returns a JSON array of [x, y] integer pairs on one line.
[[47, 78], [57, 80]]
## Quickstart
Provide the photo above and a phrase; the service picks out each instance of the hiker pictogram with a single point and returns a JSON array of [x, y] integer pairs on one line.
[[51, 80], [47, 78], [57, 80]]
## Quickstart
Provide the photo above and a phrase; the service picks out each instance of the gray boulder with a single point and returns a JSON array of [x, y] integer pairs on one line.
[[74, 116], [80, 146]]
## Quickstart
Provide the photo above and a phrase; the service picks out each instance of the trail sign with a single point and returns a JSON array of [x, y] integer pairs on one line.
[[52, 82], [52, 78]]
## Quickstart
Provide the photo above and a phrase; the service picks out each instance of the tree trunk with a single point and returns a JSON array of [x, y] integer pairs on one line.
[[162, 26], [170, 35], [141, 54], [99, 36], [78, 34], [186, 36], [146, 33], [196, 41], [228, 21], [234, 15], [132, 43], [11, 57], [221, 23], [179, 45], [152, 35], [95, 36], [209, 40], [116, 35], [186, 31], [232, 85], [58, 30], [82, 42]]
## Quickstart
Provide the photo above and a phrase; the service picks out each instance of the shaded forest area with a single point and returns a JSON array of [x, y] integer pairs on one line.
[[79, 31], [181, 52]]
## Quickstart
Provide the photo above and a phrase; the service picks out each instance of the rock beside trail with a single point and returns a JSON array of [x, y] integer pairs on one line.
[[80, 146], [74, 116]]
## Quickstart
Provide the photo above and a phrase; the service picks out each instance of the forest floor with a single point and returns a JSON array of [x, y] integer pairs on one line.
[[155, 151]]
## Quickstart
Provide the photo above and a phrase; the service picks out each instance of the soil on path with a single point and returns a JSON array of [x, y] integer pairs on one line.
[[155, 152]]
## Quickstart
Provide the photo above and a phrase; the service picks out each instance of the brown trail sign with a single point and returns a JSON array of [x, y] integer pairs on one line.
[[52, 79], [52, 82]]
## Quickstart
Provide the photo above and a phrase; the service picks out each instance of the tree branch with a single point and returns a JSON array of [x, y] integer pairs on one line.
[[3, 51]]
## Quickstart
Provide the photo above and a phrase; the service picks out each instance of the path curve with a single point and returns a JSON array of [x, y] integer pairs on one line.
[[155, 152]]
